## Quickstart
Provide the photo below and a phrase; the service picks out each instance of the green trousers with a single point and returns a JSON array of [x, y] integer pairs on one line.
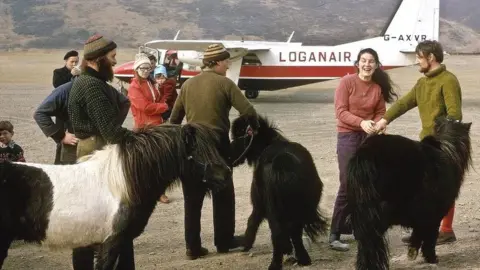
[[88, 145]]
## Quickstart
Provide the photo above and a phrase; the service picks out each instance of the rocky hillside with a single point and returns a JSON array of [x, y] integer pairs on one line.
[[59, 24]]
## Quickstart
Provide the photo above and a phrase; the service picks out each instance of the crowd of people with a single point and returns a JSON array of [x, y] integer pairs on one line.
[[89, 114]]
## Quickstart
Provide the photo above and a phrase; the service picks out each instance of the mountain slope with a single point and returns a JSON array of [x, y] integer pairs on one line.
[[56, 23]]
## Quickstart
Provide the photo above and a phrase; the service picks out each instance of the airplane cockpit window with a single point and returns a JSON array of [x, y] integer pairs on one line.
[[251, 59]]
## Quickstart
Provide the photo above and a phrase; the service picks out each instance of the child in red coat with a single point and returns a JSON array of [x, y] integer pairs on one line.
[[167, 88]]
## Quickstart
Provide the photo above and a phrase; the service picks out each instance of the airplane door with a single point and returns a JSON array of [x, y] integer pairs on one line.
[[162, 54], [233, 71], [236, 56]]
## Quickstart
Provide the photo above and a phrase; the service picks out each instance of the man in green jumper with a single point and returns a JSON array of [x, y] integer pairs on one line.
[[208, 98], [438, 93]]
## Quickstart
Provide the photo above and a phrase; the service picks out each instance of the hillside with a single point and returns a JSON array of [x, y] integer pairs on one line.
[[62, 24]]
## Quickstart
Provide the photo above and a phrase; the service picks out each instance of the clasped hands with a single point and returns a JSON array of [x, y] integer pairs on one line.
[[370, 127]]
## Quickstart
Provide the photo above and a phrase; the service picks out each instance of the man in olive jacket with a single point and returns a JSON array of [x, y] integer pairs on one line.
[[208, 98], [436, 94]]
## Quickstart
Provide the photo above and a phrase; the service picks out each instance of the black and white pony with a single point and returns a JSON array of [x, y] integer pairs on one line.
[[286, 188], [393, 180], [105, 201]]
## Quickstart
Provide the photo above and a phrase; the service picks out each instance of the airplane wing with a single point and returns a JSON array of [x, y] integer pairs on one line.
[[237, 50], [201, 45]]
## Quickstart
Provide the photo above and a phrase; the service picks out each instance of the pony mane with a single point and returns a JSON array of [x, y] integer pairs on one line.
[[453, 138], [207, 141], [266, 129], [107, 162], [266, 134], [269, 129], [162, 150]]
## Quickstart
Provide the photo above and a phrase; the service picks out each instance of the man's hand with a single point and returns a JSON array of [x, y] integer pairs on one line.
[[76, 71], [381, 126], [69, 139]]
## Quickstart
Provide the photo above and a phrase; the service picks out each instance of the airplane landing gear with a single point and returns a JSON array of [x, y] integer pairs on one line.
[[251, 94]]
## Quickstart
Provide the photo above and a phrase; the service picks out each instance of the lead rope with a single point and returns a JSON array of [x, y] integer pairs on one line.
[[249, 132]]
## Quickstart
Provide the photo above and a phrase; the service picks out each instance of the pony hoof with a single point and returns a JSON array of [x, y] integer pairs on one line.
[[246, 249], [304, 262], [290, 260], [433, 260], [274, 266], [303, 259], [412, 253]]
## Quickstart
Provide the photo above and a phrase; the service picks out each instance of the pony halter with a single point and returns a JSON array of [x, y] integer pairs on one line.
[[248, 133]]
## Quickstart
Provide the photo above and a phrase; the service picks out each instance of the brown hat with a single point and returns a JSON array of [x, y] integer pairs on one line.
[[215, 52], [97, 46]]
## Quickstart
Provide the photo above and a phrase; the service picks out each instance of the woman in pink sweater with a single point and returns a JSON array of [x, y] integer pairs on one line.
[[359, 102]]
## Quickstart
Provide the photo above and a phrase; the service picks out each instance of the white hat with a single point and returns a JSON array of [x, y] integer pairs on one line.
[[140, 59]]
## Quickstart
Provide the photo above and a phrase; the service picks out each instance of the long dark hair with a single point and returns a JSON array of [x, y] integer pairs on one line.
[[379, 76]]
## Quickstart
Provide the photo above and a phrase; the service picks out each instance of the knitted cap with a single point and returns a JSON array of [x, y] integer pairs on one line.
[[97, 46], [215, 52], [160, 70], [140, 59]]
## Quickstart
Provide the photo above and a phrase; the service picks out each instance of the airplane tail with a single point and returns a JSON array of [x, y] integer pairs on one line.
[[414, 21]]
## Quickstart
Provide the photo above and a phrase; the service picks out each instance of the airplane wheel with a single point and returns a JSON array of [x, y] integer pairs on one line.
[[251, 94]]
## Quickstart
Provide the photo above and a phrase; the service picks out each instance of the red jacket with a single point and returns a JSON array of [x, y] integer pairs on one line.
[[169, 92], [146, 104]]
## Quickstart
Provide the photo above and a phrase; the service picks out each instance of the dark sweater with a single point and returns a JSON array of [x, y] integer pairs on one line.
[[208, 98], [97, 109], [11, 152], [61, 76]]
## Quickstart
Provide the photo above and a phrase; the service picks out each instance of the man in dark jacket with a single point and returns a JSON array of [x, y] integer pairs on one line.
[[64, 75], [61, 130]]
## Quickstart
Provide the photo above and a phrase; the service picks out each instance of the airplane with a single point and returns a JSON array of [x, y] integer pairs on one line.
[[270, 66]]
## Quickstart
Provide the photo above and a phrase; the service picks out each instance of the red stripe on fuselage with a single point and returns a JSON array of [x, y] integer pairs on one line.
[[293, 71]]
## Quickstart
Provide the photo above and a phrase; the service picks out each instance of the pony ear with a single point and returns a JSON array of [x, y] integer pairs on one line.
[[188, 136], [468, 125], [253, 123]]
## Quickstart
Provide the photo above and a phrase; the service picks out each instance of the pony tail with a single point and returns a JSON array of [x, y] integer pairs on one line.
[[316, 225], [382, 78], [366, 211], [284, 170]]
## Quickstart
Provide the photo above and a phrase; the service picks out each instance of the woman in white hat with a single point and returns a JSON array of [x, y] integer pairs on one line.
[[146, 102], [144, 96]]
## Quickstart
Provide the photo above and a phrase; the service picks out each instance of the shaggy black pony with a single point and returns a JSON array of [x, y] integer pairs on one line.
[[286, 188], [393, 180], [105, 201]]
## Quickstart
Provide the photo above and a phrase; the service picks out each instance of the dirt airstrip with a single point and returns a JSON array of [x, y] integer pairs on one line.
[[304, 114]]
